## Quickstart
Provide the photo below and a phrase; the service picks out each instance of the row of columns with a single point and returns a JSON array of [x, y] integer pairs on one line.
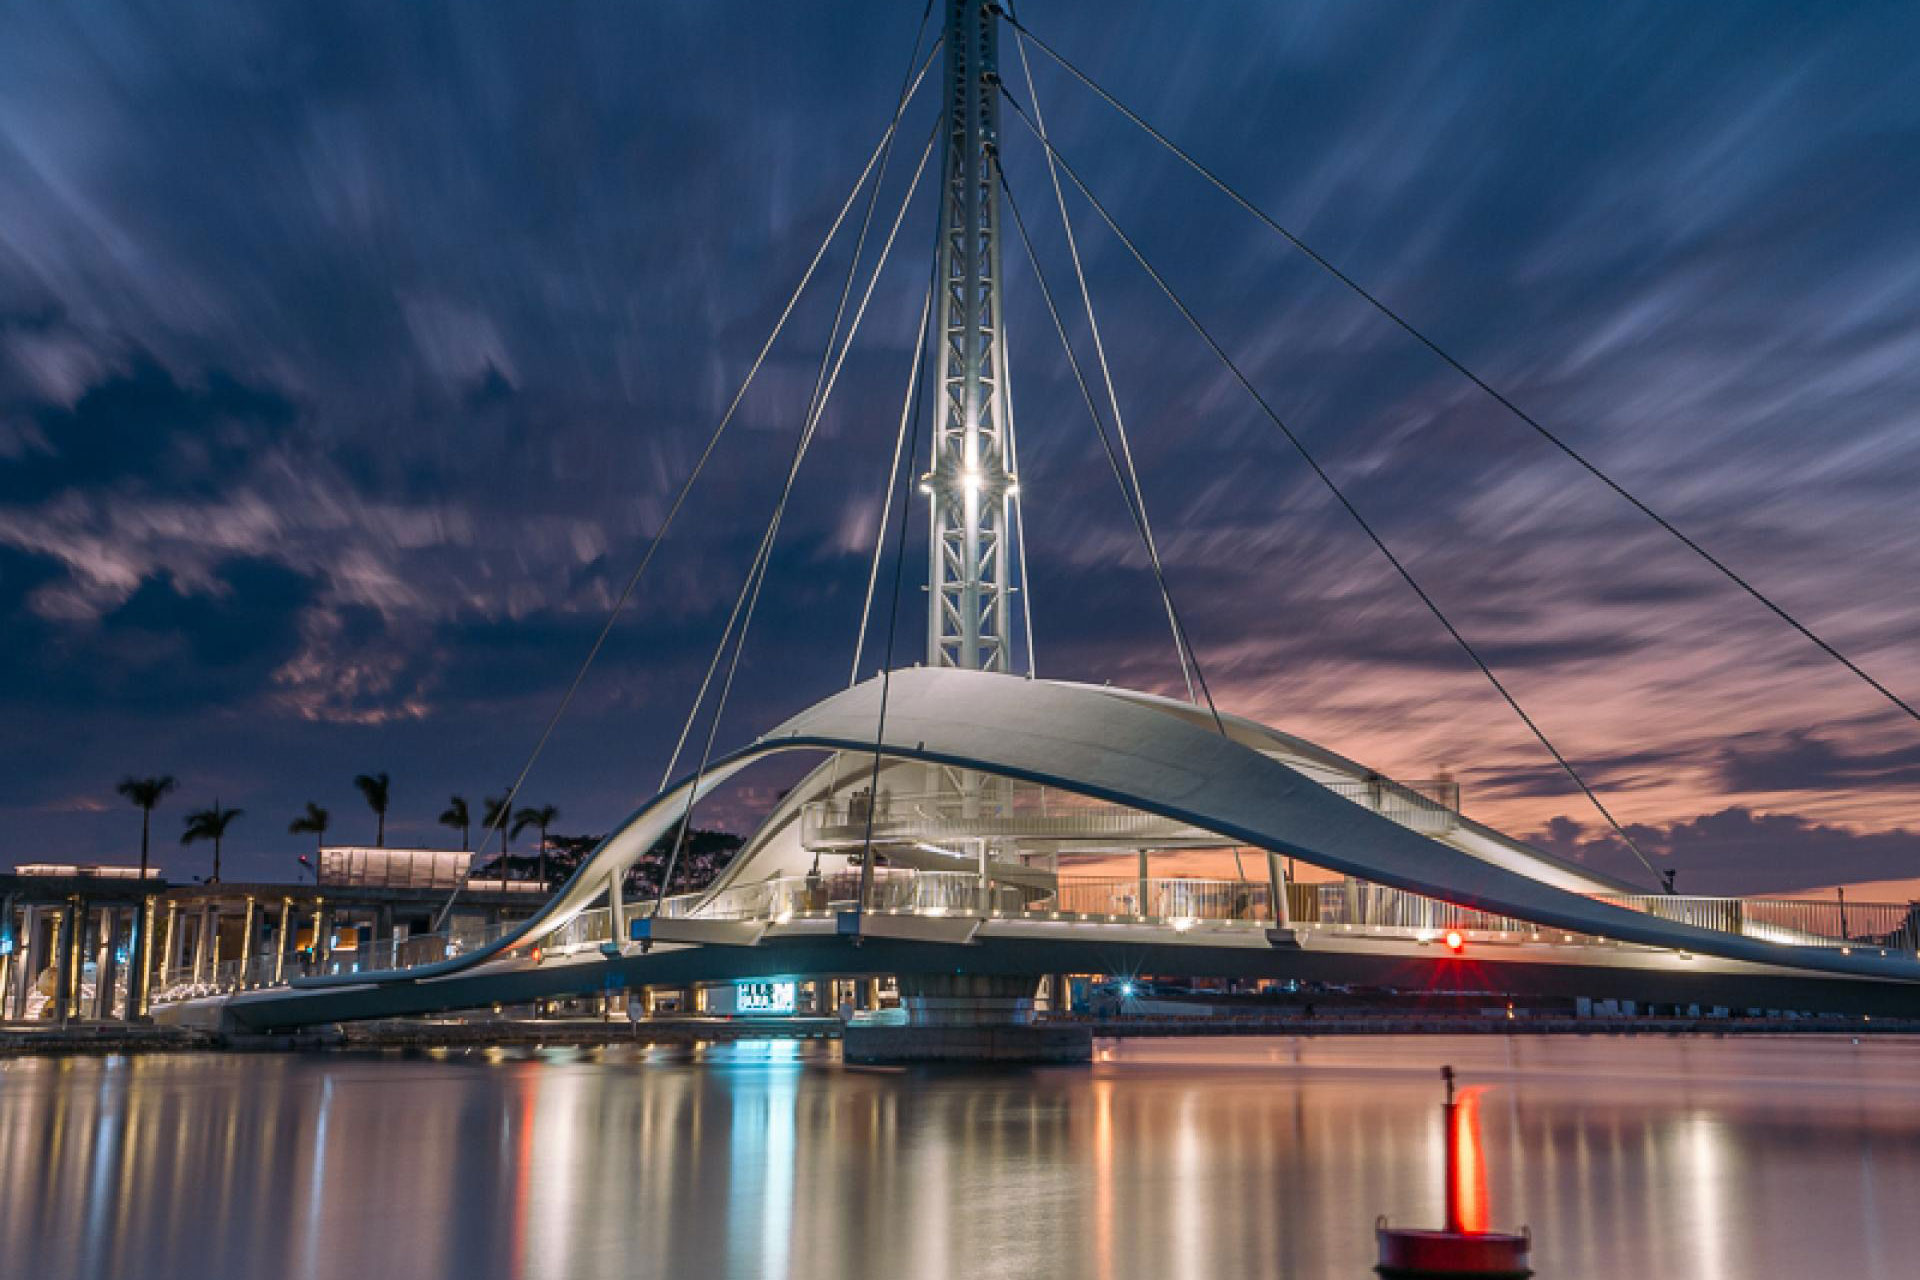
[[48, 943], [189, 941], [49, 946]]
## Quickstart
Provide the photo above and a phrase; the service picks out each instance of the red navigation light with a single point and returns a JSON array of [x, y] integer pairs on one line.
[[1454, 940], [539, 953]]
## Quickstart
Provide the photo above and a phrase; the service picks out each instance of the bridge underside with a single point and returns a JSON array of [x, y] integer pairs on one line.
[[1646, 976]]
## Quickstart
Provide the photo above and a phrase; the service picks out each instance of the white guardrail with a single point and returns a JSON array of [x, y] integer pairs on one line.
[[1179, 903]]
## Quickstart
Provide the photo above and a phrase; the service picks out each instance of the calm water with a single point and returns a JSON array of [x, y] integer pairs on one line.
[[1645, 1158]]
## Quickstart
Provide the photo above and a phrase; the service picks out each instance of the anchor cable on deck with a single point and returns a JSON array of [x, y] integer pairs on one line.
[[700, 464], [749, 597], [1135, 508], [893, 476], [1100, 353], [1313, 463], [893, 611], [750, 587], [1019, 512], [1505, 402]]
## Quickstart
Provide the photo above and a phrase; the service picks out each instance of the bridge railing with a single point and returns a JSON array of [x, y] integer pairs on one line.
[[1033, 812], [1804, 922], [270, 968], [1346, 906], [1022, 809], [1431, 808]]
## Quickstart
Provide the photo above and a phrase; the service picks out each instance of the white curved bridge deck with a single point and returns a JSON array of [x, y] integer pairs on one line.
[[1154, 772]]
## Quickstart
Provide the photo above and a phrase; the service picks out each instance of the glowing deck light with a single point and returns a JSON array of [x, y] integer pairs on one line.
[[1454, 940], [1126, 990]]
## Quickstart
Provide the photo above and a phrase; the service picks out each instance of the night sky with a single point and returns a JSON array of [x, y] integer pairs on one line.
[[350, 353]]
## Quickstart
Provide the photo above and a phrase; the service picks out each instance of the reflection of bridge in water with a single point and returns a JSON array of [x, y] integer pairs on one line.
[[971, 830]]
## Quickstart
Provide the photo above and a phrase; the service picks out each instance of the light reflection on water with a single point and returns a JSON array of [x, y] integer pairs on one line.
[[1708, 1159]]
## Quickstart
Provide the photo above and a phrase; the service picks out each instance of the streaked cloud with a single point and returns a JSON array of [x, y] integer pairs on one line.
[[349, 355]]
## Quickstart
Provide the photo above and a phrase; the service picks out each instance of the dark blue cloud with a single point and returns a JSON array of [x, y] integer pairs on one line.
[[142, 426], [1801, 761], [166, 649], [1738, 851], [349, 355]]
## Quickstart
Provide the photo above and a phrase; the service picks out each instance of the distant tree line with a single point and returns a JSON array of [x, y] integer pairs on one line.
[[555, 856]]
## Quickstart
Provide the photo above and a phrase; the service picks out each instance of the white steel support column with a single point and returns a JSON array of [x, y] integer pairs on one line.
[[169, 958], [143, 961], [1277, 886], [285, 941], [970, 481], [616, 908], [200, 944], [246, 946], [32, 955]]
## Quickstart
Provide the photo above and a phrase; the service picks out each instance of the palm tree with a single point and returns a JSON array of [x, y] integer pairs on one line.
[[313, 821], [456, 816], [542, 818], [496, 815], [210, 824], [145, 793], [374, 787]]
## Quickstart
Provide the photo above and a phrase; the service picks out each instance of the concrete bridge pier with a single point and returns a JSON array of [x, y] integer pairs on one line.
[[967, 1017]]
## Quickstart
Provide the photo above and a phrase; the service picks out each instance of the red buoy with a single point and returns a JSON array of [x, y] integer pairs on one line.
[[1464, 1247]]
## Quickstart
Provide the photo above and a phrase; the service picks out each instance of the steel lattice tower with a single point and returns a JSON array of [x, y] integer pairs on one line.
[[969, 621]]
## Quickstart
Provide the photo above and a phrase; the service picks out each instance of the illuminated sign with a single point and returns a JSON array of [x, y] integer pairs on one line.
[[765, 997]]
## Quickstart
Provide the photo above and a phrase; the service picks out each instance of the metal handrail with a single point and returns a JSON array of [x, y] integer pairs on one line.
[[1179, 902]]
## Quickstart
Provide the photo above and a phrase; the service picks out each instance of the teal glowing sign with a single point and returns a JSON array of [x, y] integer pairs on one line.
[[765, 997]]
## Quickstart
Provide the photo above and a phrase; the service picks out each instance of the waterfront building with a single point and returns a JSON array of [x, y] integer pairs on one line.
[[66, 930]]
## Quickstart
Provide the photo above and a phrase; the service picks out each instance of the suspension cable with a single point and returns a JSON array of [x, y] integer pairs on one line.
[[748, 590], [1313, 463], [893, 475], [749, 597], [699, 466], [1100, 351], [1013, 494], [893, 626], [1180, 639], [1407, 326]]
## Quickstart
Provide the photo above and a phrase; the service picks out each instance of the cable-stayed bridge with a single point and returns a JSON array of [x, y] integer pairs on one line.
[[971, 827], [1082, 769]]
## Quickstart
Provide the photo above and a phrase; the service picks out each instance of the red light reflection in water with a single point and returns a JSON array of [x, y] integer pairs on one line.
[[526, 1101], [1469, 1168]]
